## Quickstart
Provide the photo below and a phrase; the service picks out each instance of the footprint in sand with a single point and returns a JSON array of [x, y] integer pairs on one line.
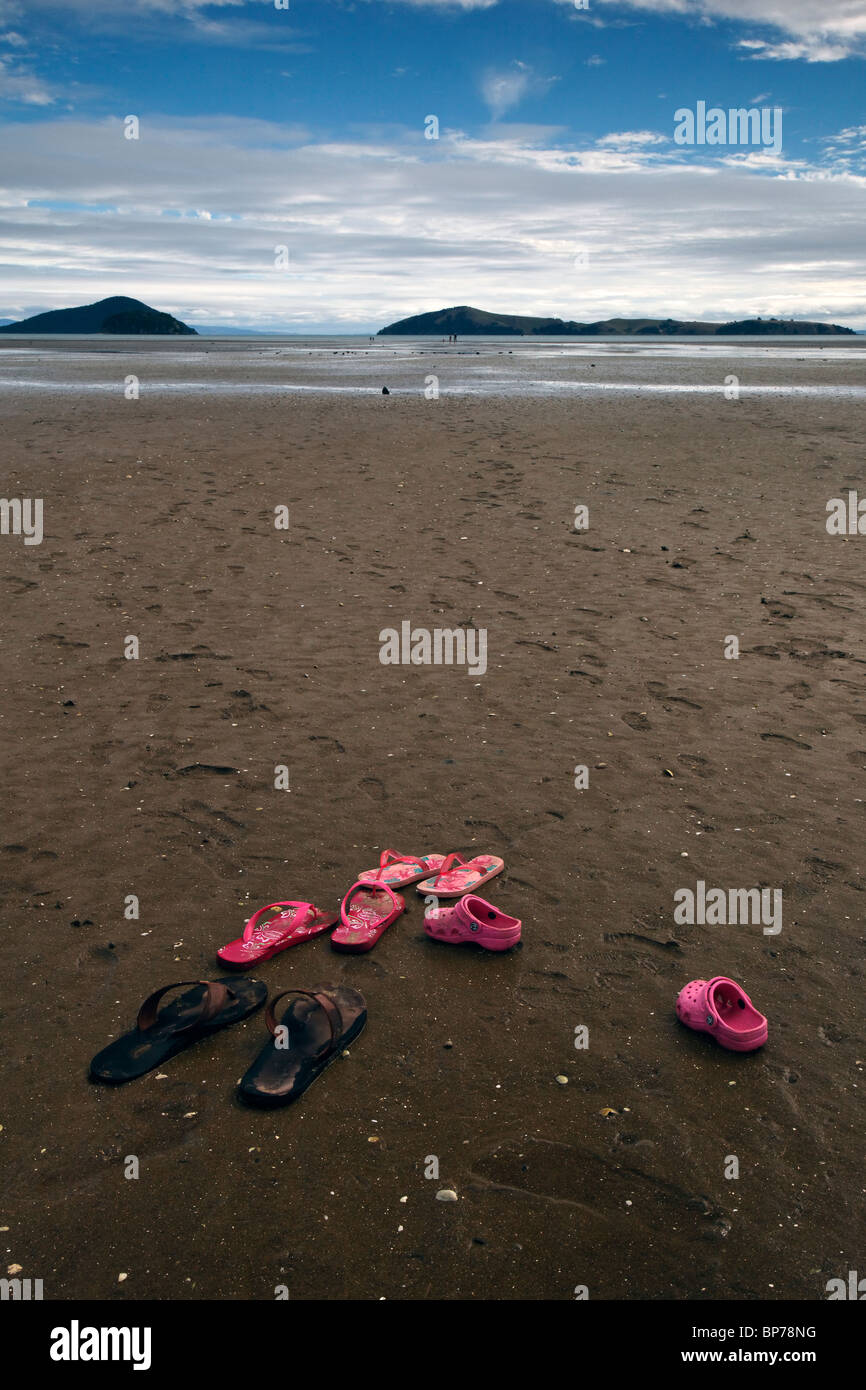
[[783, 738], [203, 769], [658, 691], [636, 720], [60, 640], [24, 584], [565, 1174], [472, 824], [779, 610], [695, 763], [207, 833], [326, 738], [670, 945], [374, 788], [824, 869], [585, 675]]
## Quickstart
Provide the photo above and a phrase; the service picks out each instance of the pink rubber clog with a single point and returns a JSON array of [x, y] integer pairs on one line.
[[472, 921], [722, 1008]]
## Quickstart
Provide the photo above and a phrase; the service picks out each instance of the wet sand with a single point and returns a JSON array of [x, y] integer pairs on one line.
[[260, 647]]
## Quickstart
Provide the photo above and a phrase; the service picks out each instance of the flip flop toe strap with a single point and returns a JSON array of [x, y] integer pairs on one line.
[[450, 862], [371, 886], [212, 1002], [304, 912], [393, 856], [329, 1008]]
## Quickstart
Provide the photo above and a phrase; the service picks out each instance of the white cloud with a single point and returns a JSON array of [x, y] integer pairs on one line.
[[629, 138], [505, 89], [18, 84], [823, 30], [811, 30], [448, 4], [494, 221], [852, 134], [813, 50], [244, 23]]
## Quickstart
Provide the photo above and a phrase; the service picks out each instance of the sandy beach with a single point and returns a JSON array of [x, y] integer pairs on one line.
[[259, 648]]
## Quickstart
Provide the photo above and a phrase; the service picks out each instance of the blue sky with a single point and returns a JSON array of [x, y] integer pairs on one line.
[[555, 183]]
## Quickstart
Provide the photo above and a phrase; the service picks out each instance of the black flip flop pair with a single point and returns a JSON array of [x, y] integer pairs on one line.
[[315, 1028]]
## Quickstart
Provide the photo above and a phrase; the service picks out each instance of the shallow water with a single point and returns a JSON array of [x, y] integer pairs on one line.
[[482, 367]]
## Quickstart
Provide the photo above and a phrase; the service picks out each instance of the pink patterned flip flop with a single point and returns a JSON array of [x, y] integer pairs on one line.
[[297, 923], [455, 882], [722, 1008], [368, 909], [472, 921], [402, 870]]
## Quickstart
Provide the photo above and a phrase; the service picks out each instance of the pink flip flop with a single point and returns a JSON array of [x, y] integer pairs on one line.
[[402, 870], [451, 882], [472, 921], [722, 1008], [364, 915], [300, 922]]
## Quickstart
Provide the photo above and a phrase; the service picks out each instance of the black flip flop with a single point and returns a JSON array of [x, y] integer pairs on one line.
[[313, 1031], [204, 1009]]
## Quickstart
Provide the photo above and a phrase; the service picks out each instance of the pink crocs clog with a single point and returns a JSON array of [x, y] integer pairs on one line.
[[722, 1008], [472, 921]]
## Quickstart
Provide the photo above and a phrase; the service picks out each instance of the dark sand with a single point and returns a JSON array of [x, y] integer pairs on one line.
[[259, 648]]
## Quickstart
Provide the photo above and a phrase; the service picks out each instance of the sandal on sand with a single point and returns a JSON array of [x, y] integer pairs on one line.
[[313, 1031], [722, 1008], [472, 921], [204, 1009], [402, 870], [289, 928], [451, 882], [367, 910]]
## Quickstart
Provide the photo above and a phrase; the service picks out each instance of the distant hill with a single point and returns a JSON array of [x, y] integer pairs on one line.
[[118, 315], [467, 322]]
